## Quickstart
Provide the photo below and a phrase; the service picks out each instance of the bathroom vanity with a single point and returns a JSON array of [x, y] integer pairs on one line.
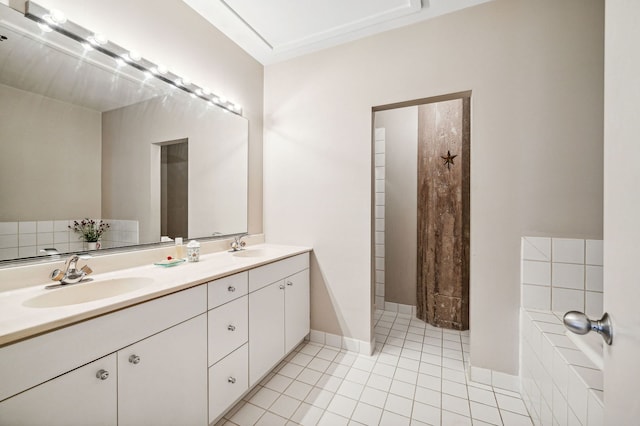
[[179, 350]]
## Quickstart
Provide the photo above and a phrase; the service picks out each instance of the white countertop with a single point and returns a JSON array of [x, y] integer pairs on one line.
[[18, 321]]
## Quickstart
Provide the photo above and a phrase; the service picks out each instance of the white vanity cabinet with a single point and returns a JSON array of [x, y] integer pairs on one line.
[[228, 325], [278, 312], [180, 359], [165, 384], [162, 380], [83, 396]]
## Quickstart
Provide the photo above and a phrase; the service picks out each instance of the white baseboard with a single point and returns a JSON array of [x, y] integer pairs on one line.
[[497, 379], [342, 342]]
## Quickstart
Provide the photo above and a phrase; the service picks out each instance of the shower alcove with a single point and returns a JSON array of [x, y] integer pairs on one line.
[[422, 197]]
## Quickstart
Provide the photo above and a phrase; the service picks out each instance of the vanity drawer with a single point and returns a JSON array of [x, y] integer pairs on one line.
[[228, 381], [228, 328], [228, 288], [267, 274]]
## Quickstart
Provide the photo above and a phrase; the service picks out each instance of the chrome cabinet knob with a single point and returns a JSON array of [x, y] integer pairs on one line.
[[289, 283], [231, 327], [231, 289], [281, 286], [231, 380], [134, 359], [102, 374], [577, 322]]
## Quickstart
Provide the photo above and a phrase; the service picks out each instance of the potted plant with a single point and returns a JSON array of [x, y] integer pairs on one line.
[[90, 231]]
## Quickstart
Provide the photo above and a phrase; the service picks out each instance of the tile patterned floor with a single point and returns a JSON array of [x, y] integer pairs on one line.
[[415, 377]]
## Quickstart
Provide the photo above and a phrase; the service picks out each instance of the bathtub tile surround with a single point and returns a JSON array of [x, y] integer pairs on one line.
[[560, 384], [27, 238], [379, 152], [416, 376], [562, 274]]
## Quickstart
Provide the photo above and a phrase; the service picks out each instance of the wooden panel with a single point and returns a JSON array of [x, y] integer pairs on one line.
[[443, 214]]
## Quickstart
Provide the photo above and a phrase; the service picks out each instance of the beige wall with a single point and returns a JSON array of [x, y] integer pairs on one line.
[[49, 158], [535, 69], [131, 140], [171, 33], [401, 187]]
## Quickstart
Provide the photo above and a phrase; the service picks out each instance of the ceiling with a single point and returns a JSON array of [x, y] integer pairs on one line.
[[275, 30]]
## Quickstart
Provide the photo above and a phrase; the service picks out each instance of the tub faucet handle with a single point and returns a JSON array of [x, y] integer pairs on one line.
[[577, 322]]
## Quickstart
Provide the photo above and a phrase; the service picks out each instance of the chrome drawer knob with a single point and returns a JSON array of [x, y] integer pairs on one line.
[[289, 283], [281, 286], [231, 288], [231, 327], [231, 380], [102, 374], [134, 359]]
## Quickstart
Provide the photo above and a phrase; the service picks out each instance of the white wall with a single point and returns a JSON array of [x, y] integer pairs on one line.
[[535, 69], [171, 33]]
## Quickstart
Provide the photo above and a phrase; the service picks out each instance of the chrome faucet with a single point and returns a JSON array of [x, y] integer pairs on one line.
[[237, 243], [71, 275]]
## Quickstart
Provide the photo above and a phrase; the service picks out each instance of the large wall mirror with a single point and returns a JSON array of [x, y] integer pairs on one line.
[[85, 136]]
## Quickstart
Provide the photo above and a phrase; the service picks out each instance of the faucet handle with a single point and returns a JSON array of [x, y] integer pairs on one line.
[[56, 275], [86, 269]]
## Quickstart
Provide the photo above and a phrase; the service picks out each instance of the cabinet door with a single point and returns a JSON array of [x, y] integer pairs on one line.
[[79, 397], [296, 314], [162, 380], [266, 329]]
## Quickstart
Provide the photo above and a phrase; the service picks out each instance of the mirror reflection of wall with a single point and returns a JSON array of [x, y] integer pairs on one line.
[[174, 193], [79, 138]]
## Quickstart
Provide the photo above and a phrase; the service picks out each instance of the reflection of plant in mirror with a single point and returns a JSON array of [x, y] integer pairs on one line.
[[89, 229]]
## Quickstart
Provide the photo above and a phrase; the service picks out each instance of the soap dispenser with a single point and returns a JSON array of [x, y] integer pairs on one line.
[[179, 248]]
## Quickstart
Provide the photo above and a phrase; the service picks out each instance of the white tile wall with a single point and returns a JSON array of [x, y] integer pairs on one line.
[[559, 385], [562, 274], [26, 239], [379, 146]]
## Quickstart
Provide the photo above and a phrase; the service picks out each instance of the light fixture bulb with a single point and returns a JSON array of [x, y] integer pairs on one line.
[[178, 82], [186, 81], [161, 69], [44, 27], [222, 99], [87, 46], [134, 55], [198, 92], [57, 17], [120, 62], [98, 39], [206, 90]]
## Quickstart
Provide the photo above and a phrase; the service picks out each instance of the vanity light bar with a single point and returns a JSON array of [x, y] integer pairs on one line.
[[56, 21]]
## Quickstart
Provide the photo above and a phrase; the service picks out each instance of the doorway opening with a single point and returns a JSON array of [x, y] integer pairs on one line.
[[422, 208], [174, 188]]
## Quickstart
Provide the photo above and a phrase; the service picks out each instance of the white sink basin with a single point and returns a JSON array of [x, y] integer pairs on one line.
[[254, 253], [87, 292]]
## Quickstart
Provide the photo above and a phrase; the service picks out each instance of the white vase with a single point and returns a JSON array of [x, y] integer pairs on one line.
[[92, 246]]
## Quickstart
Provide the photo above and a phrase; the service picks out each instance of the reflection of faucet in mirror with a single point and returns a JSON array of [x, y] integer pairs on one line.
[[237, 243], [70, 275]]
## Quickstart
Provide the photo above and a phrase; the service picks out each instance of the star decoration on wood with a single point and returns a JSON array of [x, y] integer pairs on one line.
[[448, 160]]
